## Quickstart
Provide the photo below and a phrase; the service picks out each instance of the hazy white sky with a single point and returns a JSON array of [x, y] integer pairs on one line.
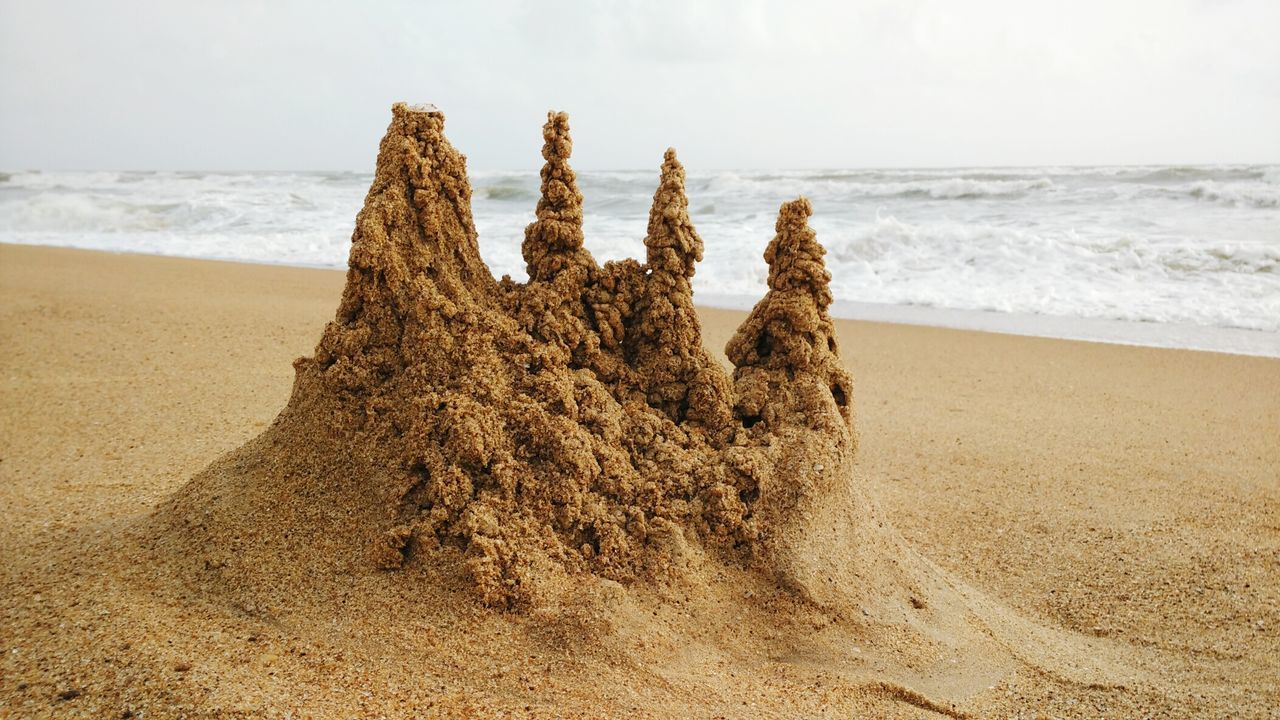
[[308, 85]]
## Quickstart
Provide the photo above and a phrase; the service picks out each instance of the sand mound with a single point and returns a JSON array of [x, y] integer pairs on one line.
[[567, 449], [574, 423]]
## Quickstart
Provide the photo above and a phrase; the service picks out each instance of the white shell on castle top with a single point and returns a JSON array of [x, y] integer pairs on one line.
[[422, 107]]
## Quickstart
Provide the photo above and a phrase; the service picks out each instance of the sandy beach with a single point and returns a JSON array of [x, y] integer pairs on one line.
[[1124, 497], [951, 393]]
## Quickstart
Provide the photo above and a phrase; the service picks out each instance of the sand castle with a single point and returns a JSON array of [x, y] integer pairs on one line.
[[474, 472], [572, 424]]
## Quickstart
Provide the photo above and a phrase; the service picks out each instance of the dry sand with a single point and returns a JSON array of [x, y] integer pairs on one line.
[[1123, 495]]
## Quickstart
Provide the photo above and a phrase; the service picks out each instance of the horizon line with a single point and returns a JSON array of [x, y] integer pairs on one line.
[[828, 168]]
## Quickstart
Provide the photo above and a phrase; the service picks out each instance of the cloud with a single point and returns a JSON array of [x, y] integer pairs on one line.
[[764, 83]]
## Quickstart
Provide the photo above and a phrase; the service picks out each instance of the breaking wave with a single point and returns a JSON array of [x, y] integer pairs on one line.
[[1193, 244]]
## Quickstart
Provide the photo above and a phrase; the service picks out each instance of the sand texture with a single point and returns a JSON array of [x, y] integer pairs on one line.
[[552, 499]]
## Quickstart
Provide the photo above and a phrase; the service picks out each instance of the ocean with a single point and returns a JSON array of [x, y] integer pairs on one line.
[[1160, 255]]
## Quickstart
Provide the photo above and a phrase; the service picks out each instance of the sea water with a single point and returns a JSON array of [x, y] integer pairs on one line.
[[1170, 256]]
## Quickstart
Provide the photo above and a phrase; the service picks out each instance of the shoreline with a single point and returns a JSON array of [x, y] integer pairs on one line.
[[1169, 336], [1172, 336]]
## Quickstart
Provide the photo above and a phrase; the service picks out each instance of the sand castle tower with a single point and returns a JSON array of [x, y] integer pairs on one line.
[[789, 379], [550, 306], [553, 242], [787, 346], [682, 379]]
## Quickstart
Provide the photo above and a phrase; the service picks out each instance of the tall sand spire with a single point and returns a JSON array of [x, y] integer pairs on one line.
[[795, 257], [671, 243], [789, 332], [789, 383], [668, 339], [552, 306], [416, 222], [553, 242]]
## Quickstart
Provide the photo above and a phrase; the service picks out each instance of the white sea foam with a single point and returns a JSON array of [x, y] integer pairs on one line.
[[1186, 246]]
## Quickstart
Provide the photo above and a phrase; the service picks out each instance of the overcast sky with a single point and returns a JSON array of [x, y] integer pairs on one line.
[[308, 85]]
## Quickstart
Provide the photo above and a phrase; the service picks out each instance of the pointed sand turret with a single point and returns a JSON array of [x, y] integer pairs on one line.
[[553, 242], [789, 335], [672, 244], [668, 342], [414, 240], [552, 306]]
